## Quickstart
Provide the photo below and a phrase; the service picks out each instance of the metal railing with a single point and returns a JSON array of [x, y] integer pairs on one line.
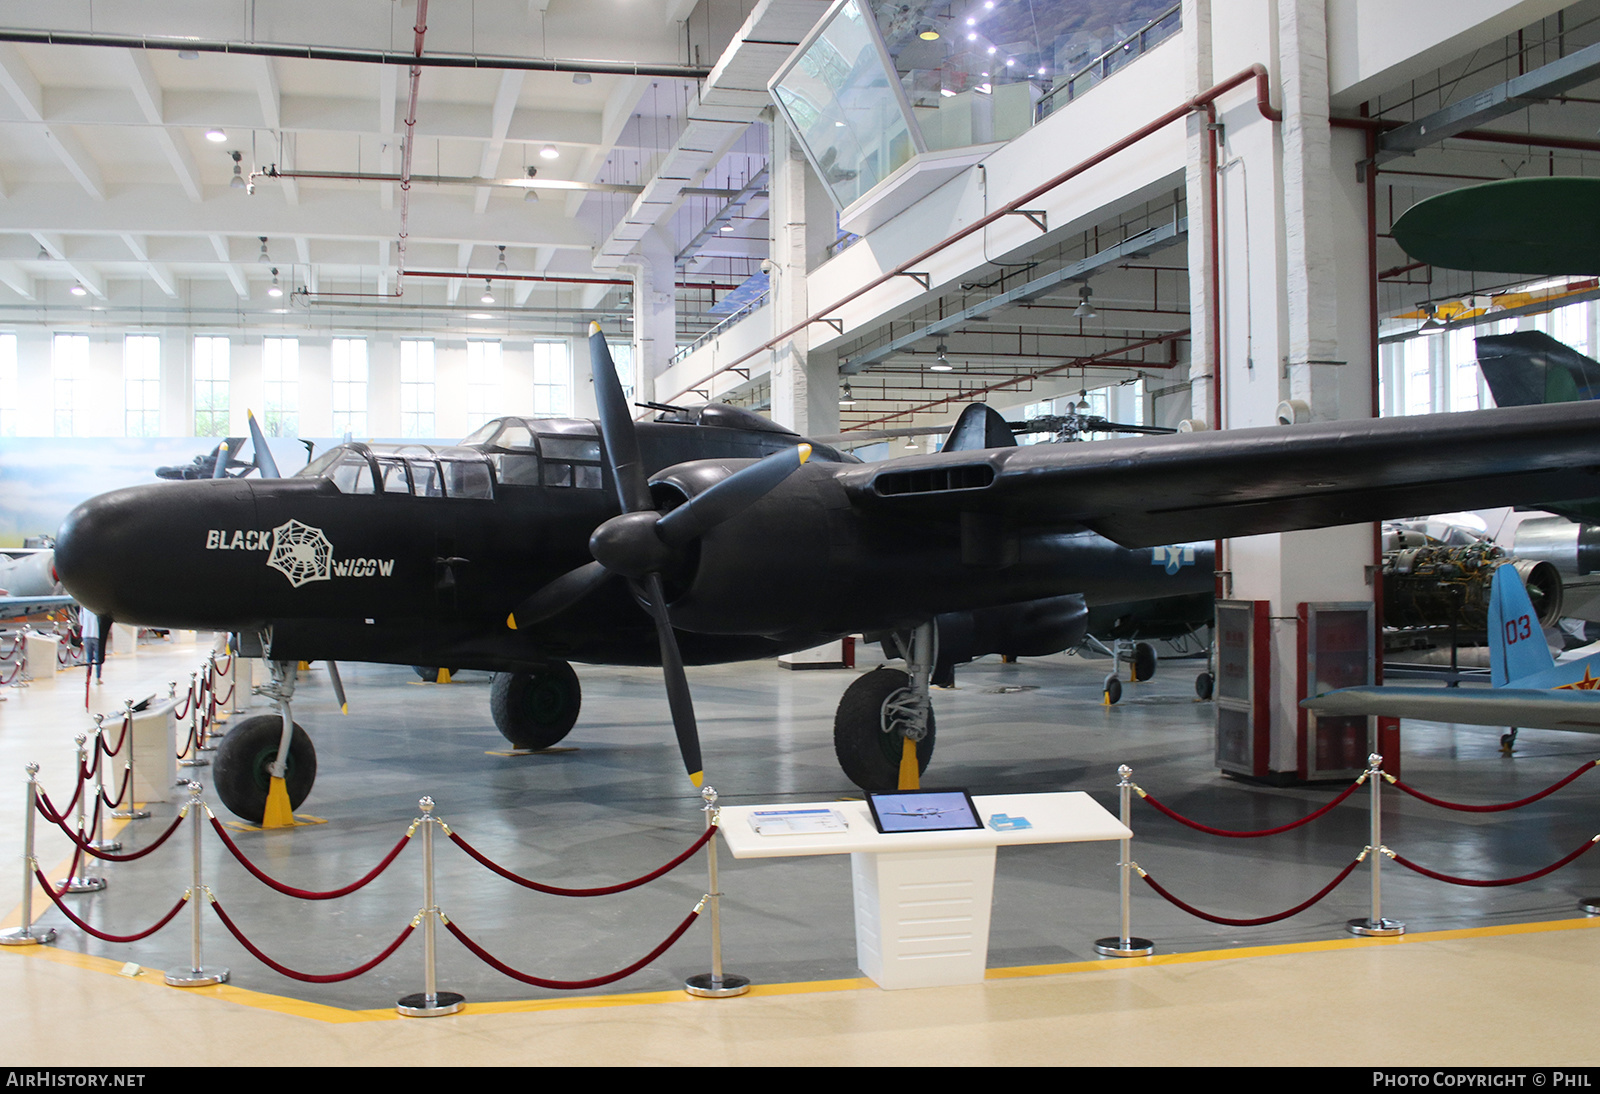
[[1135, 45]]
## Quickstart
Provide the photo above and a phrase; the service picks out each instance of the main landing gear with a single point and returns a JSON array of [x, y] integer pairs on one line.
[[1142, 661], [883, 710], [536, 709]]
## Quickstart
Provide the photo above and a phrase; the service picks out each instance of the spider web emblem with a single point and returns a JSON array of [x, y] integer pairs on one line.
[[300, 553]]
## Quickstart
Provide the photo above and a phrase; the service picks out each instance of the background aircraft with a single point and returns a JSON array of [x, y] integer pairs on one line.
[[1530, 688], [710, 537]]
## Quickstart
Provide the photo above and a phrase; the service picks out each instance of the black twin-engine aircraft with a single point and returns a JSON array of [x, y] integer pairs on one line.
[[713, 535]]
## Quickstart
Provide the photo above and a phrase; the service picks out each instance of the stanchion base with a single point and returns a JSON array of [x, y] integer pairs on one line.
[[27, 936], [81, 884], [201, 762], [196, 978], [133, 814], [1376, 928], [422, 1005], [706, 986], [1124, 947], [1589, 905], [107, 845]]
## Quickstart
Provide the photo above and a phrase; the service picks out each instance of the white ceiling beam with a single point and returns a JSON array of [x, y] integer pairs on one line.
[[18, 81], [302, 247], [147, 93], [463, 259], [12, 276], [345, 214], [85, 275], [388, 94], [614, 118], [158, 273], [291, 187], [505, 105], [235, 275], [268, 92], [383, 267]]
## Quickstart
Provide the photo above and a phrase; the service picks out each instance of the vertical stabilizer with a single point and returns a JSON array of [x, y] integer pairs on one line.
[[1517, 649]]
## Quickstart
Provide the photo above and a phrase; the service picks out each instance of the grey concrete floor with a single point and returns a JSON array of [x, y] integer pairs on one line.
[[617, 804]]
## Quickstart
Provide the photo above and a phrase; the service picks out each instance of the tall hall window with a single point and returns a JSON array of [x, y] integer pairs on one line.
[[416, 387], [349, 386], [210, 386], [280, 373], [141, 383]]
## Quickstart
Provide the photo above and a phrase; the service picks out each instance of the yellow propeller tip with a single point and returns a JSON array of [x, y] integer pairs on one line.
[[344, 708], [805, 452], [594, 328], [248, 413], [511, 620], [697, 777]]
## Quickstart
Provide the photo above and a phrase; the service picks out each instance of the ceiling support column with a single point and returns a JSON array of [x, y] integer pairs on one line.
[[805, 386]]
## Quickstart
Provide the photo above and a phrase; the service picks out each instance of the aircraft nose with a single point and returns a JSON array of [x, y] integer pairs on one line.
[[121, 554]]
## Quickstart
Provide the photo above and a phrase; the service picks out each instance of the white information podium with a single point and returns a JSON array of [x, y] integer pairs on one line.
[[922, 898]]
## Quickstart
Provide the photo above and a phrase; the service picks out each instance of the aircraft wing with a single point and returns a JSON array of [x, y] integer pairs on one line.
[[18, 607], [1527, 708], [1241, 482]]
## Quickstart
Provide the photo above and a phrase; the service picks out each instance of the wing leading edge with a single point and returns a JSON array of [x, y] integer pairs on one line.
[[1241, 482]]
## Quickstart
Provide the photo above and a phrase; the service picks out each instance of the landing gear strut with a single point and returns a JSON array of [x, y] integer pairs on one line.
[[1142, 662], [883, 710]]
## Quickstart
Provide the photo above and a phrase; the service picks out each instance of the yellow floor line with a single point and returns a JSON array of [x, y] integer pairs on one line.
[[324, 1013]]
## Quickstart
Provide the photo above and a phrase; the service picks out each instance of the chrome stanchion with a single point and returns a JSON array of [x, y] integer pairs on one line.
[[77, 883], [24, 674], [1125, 945], [194, 759], [25, 935], [130, 809], [430, 1002], [100, 842], [196, 975], [716, 984], [1375, 925]]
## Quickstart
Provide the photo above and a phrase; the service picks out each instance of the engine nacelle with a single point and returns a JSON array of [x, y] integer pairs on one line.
[[1570, 547]]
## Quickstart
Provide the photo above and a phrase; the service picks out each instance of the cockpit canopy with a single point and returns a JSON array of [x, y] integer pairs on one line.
[[424, 471], [542, 451]]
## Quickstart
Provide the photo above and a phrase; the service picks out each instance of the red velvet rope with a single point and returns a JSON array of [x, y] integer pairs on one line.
[[221, 700], [307, 894], [188, 743], [6, 655], [1296, 910], [1551, 789], [126, 725], [1554, 866], [607, 890], [101, 935], [127, 779], [228, 658], [48, 809], [84, 845], [1307, 819], [309, 978], [572, 985], [15, 668], [187, 699]]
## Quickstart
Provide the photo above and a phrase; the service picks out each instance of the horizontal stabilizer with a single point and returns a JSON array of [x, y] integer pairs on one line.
[[1527, 708]]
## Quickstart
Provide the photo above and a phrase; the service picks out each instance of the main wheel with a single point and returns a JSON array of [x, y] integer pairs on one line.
[[1144, 661], [429, 673], [1111, 691], [866, 736], [241, 769], [535, 710], [1203, 685]]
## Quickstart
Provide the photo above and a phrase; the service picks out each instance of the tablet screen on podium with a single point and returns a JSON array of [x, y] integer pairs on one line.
[[923, 811]]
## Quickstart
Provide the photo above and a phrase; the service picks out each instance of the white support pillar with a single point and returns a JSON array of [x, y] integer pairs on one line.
[[805, 386], [1295, 323], [1198, 178], [655, 312]]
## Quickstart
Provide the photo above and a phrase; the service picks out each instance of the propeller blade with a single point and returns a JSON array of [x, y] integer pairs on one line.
[[678, 698], [617, 432], [338, 687], [729, 497], [263, 455], [219, 470], [557, 596]]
